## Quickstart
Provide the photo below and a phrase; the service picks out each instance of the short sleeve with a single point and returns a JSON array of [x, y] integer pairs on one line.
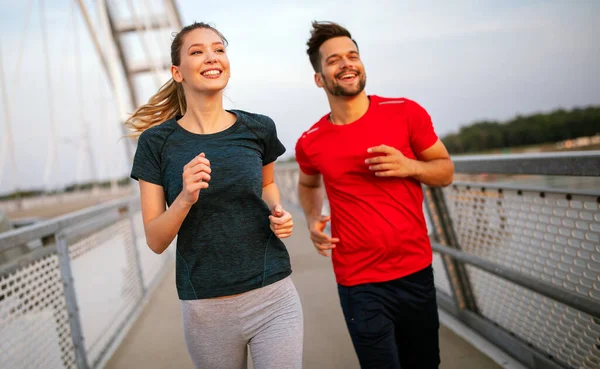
[[422, 134], [146, 162], [303, 161], [273, 148]]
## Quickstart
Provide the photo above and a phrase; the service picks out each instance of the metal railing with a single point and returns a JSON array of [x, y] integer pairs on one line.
[[68, 301], [519, 264]]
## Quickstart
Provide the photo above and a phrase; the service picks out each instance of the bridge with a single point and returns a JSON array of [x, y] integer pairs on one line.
[[516, 242], [517, 269]]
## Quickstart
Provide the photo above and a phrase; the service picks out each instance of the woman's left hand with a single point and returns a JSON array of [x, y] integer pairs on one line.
[[281, 222]]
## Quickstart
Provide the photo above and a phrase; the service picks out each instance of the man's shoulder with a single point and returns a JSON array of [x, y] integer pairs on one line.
[[394, 102], [312, 133]]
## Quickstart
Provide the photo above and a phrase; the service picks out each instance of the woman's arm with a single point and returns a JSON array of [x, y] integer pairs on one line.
[[270, 193], [281, 220], [162, 226]]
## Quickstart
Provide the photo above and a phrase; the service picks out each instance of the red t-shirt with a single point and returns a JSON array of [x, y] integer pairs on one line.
[[379, 221]]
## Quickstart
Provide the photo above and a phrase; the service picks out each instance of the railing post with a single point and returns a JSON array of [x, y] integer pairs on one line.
[[71, 301], [136, 252], [444, 233]]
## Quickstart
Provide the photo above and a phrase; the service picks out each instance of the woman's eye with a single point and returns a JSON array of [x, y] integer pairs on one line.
[[220, 50], [196, 52]]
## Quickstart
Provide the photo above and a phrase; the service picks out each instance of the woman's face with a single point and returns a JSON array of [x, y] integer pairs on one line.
[[204, 64]]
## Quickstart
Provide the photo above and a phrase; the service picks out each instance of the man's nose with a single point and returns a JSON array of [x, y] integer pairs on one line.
[[346, 63]]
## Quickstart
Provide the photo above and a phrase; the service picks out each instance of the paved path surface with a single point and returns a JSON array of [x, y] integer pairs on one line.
[[156, 339]]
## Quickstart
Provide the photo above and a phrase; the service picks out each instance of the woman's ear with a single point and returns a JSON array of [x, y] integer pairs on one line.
[[177, 77]]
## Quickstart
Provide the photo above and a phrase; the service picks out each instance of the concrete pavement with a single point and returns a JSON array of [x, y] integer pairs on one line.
[[156, 341]]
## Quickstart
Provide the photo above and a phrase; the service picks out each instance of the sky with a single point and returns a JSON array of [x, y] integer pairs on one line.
[[463, 61]]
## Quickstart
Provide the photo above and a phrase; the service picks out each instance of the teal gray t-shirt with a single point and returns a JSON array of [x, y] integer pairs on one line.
[[225, 245]]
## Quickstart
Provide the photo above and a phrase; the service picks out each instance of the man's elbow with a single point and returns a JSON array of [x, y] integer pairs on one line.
[[449, 178]]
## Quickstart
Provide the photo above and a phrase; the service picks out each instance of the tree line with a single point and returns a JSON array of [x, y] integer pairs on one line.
[[556, 126]]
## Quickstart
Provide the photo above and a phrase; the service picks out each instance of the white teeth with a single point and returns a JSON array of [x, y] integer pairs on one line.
[[348, 75], [213, 72]]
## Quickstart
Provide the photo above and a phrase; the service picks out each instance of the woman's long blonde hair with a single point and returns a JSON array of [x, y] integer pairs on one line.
[[169, 101]]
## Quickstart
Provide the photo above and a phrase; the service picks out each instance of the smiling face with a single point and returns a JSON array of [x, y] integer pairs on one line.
[[342, 72], [204, 66]]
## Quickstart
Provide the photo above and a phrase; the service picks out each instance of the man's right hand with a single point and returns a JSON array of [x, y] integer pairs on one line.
[[321, 240]]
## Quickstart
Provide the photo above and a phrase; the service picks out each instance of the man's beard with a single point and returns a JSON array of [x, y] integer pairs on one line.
[[336, 89]]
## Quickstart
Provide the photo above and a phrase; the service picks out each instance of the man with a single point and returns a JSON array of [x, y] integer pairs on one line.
[[372, 154]]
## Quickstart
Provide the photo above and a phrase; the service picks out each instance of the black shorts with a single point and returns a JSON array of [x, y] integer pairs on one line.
[[394, 324]]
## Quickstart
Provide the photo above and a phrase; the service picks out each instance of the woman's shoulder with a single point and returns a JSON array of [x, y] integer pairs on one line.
[[158, 133], [253, 118]]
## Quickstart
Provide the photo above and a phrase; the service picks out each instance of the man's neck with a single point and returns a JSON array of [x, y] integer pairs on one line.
[[346, 110]]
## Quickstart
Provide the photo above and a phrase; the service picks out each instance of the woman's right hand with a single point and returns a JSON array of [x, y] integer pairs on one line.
[[196, 175]]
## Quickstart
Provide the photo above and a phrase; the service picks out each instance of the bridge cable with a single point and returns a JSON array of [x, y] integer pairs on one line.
[[52, 153], [158, 36], [8, 129], [144, 44], [24, 34]]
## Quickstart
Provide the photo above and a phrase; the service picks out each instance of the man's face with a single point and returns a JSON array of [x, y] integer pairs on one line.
[[342, 72]]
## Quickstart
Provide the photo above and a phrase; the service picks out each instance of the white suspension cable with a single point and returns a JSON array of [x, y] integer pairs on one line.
[[17, 73], [52, 154], [156, 36], [3, 146], [81, 145], [8, 129], [124, 104], [94, 37], [145, 48]]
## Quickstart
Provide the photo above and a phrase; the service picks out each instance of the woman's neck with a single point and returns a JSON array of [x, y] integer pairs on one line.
[[205, 114]]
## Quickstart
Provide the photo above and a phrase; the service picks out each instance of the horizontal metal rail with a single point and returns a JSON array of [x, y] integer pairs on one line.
[[525, 188], [16, 237], [579, 163], [527, 354], [568, 298]]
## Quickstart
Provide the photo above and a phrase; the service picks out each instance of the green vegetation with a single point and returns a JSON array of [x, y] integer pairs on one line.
[[535, 129]]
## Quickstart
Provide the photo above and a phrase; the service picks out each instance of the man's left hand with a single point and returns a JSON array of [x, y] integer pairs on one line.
[[392, 164]]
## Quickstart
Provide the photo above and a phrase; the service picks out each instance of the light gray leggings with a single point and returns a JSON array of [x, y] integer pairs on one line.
[[269, 320]]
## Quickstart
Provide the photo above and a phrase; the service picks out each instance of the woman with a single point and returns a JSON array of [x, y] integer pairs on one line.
[[214, 169]]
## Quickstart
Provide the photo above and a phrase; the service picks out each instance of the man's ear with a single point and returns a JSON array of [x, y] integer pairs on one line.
[[176, 74], [319, 80]]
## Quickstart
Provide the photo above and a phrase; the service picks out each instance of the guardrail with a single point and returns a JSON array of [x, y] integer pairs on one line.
[[520, 264], [68, 301]]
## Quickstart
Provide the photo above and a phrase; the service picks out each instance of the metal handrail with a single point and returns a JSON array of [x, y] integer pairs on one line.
[[572, 163], [19, 236], [568, 298], [525, 188]]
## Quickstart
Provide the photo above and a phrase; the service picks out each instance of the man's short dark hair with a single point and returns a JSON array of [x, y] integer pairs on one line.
[[321, 32]]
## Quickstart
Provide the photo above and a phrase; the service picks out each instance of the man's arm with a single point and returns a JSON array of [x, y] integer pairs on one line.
[[433, 167], [311, 193]]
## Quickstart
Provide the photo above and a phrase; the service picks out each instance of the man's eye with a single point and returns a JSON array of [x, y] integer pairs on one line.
[[220, 50]]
